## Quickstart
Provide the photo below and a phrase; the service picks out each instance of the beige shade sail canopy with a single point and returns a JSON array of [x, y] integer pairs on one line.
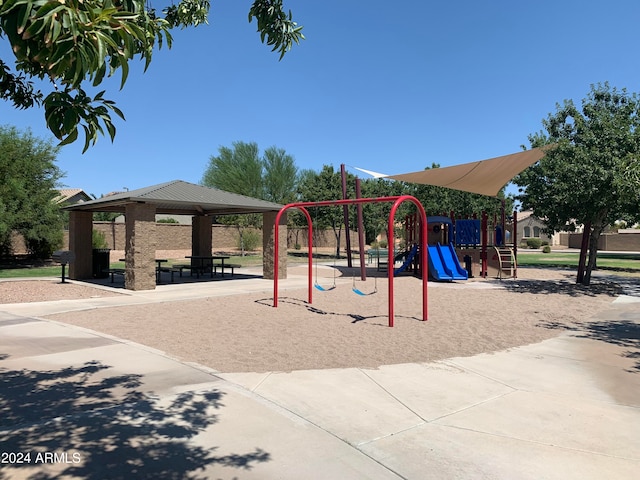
[[486, 177]]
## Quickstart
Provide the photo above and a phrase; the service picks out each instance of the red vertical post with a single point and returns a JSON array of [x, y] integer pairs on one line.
[[276, 252], [514, 237], [423, 256], [503, 221], [345, 213], [483, 252], [361, 242], [390, 255]]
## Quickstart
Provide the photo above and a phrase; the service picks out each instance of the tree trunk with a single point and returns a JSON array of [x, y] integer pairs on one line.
[[240, 230], [584, 247], [596, 230]]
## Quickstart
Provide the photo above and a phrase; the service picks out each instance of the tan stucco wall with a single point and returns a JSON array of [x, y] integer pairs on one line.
[[178, 237], [623, 242]]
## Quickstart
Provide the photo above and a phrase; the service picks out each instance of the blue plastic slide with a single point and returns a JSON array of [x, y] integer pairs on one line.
[[451, 263], [444, 264], [437, 269], [407, 261]]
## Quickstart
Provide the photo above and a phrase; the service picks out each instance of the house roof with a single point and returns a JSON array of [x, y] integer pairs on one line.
[[486, 177], [66, 194], [180, 197], [523, 215]]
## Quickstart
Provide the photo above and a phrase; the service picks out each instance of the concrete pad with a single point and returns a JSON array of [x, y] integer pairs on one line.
[[23, 337], [436, 452], [535, 368], [155, 373], [626, 299], [7, 319], [345, 402], [247, 380], [294, 448], [571, 423], [436, 389], [582, 349]]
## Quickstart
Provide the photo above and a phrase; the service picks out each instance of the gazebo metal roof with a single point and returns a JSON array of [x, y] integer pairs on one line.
[[180, 197]]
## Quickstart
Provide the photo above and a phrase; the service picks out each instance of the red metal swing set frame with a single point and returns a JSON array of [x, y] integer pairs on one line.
[[397, 200]]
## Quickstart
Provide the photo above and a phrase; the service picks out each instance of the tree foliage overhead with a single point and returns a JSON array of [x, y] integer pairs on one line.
[[70, 44], [590, 175], [321, 186], [241, 169], [28, 182], [236, 170]]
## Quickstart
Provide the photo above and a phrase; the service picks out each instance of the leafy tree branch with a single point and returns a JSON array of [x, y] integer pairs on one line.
[[70, 43]]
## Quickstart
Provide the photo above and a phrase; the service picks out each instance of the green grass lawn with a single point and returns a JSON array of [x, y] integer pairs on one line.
[[26, 272], [606, 261], [56, 271]]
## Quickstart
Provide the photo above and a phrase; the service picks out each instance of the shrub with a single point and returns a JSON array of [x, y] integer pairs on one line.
[[167, 220], [534, 243], [383, 244], [98, 240], [249, 240], [546, 249]]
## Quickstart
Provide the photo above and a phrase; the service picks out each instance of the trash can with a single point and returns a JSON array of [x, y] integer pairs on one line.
[[467, 265], [101, 262]]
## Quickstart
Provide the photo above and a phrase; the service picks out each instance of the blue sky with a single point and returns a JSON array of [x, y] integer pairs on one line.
[[386, 86]]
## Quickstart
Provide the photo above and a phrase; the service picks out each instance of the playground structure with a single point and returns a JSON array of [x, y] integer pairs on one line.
[[486, 247], [421, 224], [449, 243]]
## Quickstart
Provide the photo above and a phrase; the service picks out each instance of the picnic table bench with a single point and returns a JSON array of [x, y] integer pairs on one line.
[[113, 272], [222, 266], [198, 269], [170, 269]]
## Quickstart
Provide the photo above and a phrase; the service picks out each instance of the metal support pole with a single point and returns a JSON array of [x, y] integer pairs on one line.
[[361, 240], [276, 247], [483, 252], [345, 213]]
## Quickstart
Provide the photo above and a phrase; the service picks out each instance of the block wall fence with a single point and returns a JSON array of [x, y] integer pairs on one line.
[[174, 236]]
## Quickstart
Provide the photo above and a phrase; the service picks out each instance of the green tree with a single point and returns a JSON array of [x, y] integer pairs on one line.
[[279, 176], [28, 182], [376, 215], [74, 43], [237, 170], [590, 174], [326, 185], [242, 170]]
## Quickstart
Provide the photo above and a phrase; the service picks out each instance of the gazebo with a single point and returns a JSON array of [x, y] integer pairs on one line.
[[177, 197]]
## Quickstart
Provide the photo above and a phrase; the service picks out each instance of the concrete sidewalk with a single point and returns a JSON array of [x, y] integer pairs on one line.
[[86, 405]]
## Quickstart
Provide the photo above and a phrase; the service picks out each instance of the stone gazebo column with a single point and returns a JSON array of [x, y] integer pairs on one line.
[[201, 242], [140, 247], [268, 245], [80, 233]]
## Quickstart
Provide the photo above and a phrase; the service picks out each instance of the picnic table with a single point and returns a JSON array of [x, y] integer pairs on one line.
[[205, 263], [159, 262]]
